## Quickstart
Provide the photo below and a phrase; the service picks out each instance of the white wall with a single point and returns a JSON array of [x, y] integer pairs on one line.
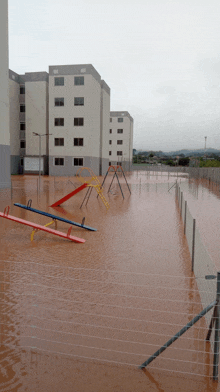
[[4, 88], [36, 116], [90, 132], [14, 91]]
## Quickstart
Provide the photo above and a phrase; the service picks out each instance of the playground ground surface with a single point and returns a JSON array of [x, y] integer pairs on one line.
[[83, 317]]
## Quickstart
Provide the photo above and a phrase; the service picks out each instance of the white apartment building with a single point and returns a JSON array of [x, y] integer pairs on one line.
[[70, 108], [79, 107], [5, 175], [121, 139]]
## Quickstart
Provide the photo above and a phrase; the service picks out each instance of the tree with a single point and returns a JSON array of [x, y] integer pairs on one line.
[[184, 161]]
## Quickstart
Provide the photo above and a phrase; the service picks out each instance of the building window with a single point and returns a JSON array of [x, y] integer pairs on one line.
[[59, 161], [79, 80], [78, 121], [22, 108], [22, 89], [59, 81], [119, 152], [58, 122], [109, 163], [118, 163], [110, 119], [110, 130], [22, 144], [59, 101], [110, 141], [58, 141], [77, 161], [110, 153], [119, 141], [120, 119], [78, 141], [78, 101], [22, 161], [119, 130], [22, 126]]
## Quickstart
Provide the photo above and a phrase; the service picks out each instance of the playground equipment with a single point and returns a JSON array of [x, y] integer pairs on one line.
[[54, 217], [37, 227], [116, 169], [91, 183], [67, 197]]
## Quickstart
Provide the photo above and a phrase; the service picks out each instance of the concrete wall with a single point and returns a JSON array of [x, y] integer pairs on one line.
[[105, 113], [36, 116], [5, 171], [14, 92]]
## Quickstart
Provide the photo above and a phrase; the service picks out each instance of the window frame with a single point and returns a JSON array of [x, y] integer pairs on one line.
[[58, 118], [110, 130], [121, 153], [78, 104], [120, 119], [23, 141], [58, 145], [24, 124], [56, 79], [78, 139], [54, 160], [73, 161], [22, 106], [61, 98], [78, 125], [121, 142], [110, 142], [78, 78], [109, 153], [22, 88], [119, 130]]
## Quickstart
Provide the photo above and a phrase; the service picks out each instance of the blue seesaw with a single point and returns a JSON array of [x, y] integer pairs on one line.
[[29, 208]]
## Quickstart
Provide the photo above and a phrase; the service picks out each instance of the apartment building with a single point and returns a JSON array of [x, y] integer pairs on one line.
[[70, 108], [121, 139], [5, 175], [79, 107]]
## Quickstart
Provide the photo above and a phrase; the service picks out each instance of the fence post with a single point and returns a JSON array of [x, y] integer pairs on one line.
[[193, 243], [185, 217], [181, 202], [217, 325]]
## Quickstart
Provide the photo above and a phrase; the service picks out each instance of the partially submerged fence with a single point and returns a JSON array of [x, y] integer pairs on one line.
[[203, 265]]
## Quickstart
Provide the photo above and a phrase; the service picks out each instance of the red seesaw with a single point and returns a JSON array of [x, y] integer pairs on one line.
[[39, 227], [65, 198]]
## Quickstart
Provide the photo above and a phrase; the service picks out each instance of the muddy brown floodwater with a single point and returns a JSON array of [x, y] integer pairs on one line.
[[83, 317]]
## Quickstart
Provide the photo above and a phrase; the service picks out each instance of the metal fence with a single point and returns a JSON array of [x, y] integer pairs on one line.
[[202, 263]]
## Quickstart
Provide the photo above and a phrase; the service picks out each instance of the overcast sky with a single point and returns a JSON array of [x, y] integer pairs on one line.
[[161, 59]]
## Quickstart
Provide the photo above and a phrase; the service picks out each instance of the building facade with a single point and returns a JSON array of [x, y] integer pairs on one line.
[[29, 100], [79, 107], [121, 139], [70, 108], [5, 170]]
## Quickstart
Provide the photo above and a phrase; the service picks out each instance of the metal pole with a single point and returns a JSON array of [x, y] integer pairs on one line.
[[178, 334], [193, 243], [39, 157], [185, 218], [217, 327], [181, 202]]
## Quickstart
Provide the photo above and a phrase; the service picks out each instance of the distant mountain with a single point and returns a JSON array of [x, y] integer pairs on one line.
[[198, 152], [187, 153]]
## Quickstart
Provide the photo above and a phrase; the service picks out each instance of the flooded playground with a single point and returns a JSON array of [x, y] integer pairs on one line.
[[84, 317]]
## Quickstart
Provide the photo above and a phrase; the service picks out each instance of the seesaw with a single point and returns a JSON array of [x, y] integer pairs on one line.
[[54, 217], [37, 227]]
